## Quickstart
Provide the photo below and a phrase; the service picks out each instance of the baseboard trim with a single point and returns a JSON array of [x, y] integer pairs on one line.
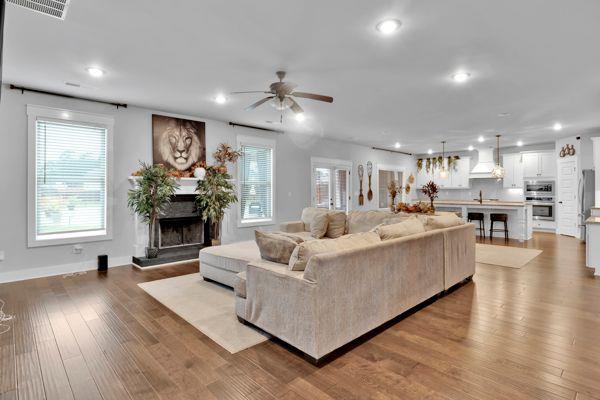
[[42, 272]]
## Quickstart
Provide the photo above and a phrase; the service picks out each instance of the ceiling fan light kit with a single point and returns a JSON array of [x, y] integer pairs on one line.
[[282, 94]]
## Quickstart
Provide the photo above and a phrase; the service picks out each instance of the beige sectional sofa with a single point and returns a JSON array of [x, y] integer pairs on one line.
[[342, 295]]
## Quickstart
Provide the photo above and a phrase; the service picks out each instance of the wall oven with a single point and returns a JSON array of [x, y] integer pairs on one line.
[[539, 188], [542, 207]]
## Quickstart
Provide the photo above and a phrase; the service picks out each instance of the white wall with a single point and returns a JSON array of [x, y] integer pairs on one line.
[[132, 142]]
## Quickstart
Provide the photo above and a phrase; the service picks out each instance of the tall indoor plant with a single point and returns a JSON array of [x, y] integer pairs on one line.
[[215, 193], [151, 197]]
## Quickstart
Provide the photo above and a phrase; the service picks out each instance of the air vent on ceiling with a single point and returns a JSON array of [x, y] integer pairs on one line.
[[53, 8]]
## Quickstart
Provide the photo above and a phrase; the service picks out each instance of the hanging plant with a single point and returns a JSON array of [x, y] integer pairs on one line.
[[450, 162], [428, 165], [440, 160], [419, 164]]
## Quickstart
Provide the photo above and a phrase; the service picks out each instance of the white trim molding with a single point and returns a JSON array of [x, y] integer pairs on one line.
[[67, 116]]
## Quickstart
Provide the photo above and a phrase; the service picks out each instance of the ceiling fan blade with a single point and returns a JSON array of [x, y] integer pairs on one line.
[[295, 107], [313, 96], [251, 91], [258, 103]]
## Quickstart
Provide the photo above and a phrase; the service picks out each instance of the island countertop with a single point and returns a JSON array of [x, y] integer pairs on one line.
[[488, 203]]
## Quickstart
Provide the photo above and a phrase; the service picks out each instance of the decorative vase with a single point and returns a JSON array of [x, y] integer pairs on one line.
[[215, 233], [151, 252], [200, 173]]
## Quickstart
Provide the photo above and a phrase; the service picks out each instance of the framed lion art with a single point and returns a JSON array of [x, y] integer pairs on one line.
[[177, 143]]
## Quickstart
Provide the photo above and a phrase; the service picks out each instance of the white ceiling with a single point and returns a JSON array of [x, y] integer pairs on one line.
[[537, 60]]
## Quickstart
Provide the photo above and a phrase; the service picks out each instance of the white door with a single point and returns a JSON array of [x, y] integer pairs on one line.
[[531, 165], [568, 177], [331, 187]]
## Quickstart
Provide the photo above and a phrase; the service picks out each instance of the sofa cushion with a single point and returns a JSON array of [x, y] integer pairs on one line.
[[336, 226], [442, 221], [308, 214], [364, 221], [409, 226], [239, 284], [232, 257], [318, 226], [304, 251], [276, 246]]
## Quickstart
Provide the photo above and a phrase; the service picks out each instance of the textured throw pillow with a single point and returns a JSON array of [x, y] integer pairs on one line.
[[304, 251], [409, 226], [318, 226], [309, 214], [336, 225], [364, 221], [442, 221], [276, 247]]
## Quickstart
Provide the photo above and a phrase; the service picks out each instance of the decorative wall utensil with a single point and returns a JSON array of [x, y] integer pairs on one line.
[[369, 173], [361, 173], [407, 188], [411, 179]]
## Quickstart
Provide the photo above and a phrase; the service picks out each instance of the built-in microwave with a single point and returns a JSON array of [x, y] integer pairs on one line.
[[539, 188]]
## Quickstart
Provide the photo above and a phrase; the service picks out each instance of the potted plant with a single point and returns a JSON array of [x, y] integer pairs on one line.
[[393, 190], [150, 198], [215, 193], [431, 190]]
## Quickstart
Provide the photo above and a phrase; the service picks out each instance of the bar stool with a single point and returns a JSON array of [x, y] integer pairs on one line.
[[476, 216], [499, 218]]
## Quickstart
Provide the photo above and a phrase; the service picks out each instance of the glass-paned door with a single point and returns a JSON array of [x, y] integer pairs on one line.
[[331, 187]]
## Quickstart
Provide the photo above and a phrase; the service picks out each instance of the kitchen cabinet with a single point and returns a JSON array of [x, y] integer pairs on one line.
[[539, 165], [513, 171]]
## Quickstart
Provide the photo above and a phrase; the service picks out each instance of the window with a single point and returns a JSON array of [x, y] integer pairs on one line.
[[331, 183], [387, 174], [256, 181], [68, 176]]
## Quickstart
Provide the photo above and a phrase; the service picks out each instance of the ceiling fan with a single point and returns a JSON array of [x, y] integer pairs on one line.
[[282, 96]]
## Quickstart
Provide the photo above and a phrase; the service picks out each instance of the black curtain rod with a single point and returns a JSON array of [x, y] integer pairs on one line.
[[234, 124], [68, 96], [393, 151]]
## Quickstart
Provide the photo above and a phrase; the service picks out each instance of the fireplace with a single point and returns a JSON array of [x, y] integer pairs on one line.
[[180, 224]]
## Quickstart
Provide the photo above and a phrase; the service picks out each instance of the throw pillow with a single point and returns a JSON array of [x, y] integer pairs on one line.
[[336, 224], [318, 226], [410, 226], [309, 214], [276, 247], [442, 221], [304, 251]]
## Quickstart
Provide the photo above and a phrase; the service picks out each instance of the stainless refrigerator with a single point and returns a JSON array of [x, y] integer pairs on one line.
[[586, 196]]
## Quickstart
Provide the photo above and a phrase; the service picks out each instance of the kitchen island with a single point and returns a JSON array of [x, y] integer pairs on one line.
[[520, 218]]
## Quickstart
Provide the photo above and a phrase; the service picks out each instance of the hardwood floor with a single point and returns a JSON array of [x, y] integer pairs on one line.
[[510, 334]]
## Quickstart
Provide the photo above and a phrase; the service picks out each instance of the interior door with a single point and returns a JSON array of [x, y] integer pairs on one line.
[[568, 179], [331, 187]]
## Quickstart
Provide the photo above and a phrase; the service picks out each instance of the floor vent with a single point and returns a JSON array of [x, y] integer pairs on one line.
[[53, 8]]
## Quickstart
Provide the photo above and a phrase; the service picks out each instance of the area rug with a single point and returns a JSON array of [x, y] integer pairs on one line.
[[504, 256], [208, 307]]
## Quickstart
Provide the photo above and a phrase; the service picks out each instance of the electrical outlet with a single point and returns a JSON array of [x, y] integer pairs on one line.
[[1, 255], [77, 249]]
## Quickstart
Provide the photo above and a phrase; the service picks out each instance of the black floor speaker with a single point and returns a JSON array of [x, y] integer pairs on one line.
[[102, 262]]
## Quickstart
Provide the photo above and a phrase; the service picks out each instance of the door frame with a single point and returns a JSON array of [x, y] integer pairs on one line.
[[558, 211], [330, 163], [395, 168]]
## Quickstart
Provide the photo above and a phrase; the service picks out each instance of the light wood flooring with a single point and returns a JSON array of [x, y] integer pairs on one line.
[[510, 334]]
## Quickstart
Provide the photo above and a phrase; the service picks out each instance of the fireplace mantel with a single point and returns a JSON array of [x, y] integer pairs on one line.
[[186, 185]]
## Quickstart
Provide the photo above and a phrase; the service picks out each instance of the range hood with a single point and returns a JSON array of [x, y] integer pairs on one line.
[[485, 164]]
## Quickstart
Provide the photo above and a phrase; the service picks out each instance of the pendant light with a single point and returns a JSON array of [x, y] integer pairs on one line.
[[443, 169], [498, 171]]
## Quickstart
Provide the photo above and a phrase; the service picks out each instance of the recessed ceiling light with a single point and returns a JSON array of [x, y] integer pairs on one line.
[[388, 26], [300, 117], [429, 151], [471, 148], [504, 114], [95, 72], [220, 99], [461, 76], [65, 115], [557, 126], [520, 143], [397, 145], [481, 139]]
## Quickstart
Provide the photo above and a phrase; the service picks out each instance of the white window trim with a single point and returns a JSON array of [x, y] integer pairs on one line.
[[329, 163], [33, 113], [256, 141], [395, 168]]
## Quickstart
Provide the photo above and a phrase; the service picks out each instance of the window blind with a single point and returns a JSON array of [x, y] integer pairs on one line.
[[256, 192], [341, 190], [322, 187], [70, 182]]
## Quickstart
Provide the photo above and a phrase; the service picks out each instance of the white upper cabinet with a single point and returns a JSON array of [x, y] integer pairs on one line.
[[539, 165], [513, 171], [459, 174]]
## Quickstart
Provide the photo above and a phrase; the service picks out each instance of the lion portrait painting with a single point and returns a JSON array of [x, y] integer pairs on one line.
[[177, 143]]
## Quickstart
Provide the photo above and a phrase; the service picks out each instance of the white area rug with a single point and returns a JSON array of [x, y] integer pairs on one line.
[[504, 256], [208, 307]]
